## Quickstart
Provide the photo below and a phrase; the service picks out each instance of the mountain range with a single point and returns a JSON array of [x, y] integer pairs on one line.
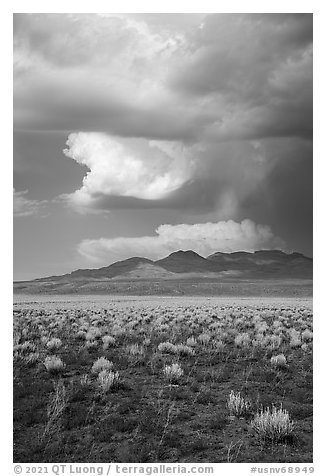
[[180, 266]]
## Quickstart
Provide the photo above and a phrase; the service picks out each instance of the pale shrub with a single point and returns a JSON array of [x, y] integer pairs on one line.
[[27, 347], [278, 360], [275, 341], [295, 338], [32, 358], [273, 425], [294, 334], [167, 348], [237, 405], [295, 342], [261, 340], [81, 335], [239, 322], [163, 328], [191, 341], [219, 346], [54, 364], [44, 339], [135, 350], [277, 324], [108, 379], [204, 338], [93, 333], [102, 364], [91, 344], [261, 327], [279, 330], [242, 340], [173, 372], [184, 350], [117, 330], [54, 344], [306, 335], [108, 341]]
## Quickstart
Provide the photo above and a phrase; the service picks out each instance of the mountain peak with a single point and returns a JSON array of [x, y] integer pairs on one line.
[[262, 264], [189, 253], [135, 259], [184, 262]]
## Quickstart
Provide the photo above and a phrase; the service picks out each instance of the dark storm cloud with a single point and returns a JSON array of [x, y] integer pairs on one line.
[[257, 69], [93, 73], [197, 196], [238, 54], [79, 109], [221, 177], [68, 40], [290, 191], [124, 173], [284, 198], [228, 77]]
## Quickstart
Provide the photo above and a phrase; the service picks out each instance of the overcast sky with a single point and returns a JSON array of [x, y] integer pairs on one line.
[[142, 134]]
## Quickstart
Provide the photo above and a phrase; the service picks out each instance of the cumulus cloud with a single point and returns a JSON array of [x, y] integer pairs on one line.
[[141, 174], [24, 207], [203, 238], [152, 172]]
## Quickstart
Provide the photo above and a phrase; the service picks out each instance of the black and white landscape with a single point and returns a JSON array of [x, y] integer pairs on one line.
[[269, 272], [163, 237]]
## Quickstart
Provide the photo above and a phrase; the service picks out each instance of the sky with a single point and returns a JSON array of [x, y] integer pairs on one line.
[[142, 134]]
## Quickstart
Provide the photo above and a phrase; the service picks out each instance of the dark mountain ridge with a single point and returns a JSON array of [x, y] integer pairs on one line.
[[112, 270], [265, 272], [263, 262], [185, 262]]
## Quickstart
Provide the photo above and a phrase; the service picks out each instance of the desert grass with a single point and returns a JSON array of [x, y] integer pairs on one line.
[[273, 425], [163, 383]]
